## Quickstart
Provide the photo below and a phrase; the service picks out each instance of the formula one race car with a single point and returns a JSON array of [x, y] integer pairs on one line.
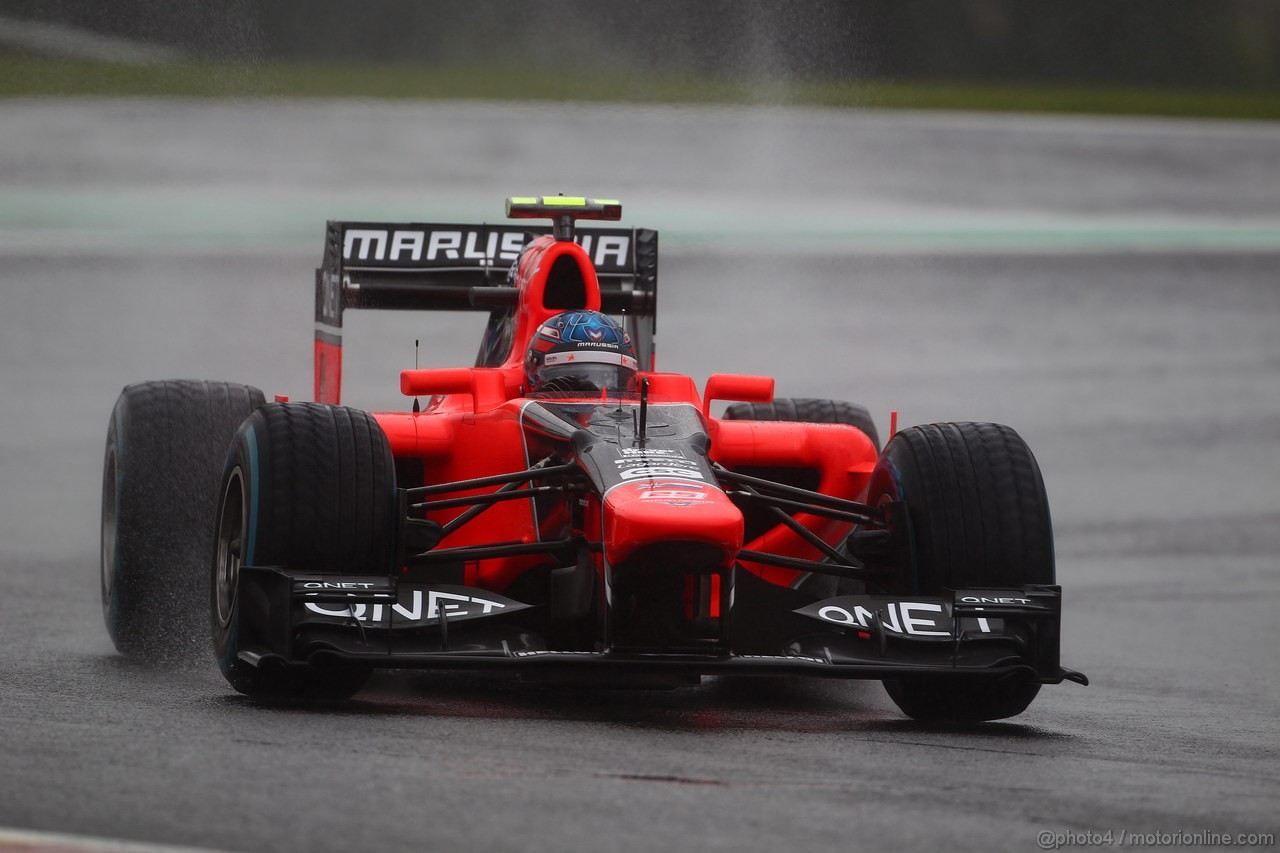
[[564, 511]]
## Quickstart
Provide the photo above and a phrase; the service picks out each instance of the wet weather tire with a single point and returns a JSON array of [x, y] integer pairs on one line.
[[980, 518], [306, 486], [166, 443], [808, 410]]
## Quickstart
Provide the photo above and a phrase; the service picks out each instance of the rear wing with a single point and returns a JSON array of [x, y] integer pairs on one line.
[[446, 267]]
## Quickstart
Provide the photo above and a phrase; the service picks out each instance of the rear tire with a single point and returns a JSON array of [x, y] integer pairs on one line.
[[808, 410], [166, 443], [305, 486], [980, 518]]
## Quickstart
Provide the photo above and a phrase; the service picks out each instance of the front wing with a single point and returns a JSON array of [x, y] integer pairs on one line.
[[290, 618]]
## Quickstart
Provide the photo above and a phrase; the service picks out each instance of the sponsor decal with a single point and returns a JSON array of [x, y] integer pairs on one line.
[[656, 462], [316, 586], [593, 356], [335, 587], [609, 250], [647, 472], [896, 616], [975, 599], [975, 602], [420, 607], [984, 599], [673, 497], [416, 246], [672, 493]]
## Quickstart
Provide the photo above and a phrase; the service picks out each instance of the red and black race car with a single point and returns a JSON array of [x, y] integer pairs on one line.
[[563, 510]]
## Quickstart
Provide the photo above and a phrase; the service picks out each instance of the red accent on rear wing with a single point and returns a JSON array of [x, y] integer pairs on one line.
[[448, 267]]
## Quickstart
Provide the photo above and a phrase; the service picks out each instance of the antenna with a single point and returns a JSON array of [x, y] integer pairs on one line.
[[417, 406], [644, 410]]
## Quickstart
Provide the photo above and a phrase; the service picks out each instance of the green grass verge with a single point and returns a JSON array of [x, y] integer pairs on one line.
[[37, 77]]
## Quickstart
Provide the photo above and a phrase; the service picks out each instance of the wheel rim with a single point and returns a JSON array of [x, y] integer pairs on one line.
[[226, 570], [109, 523]]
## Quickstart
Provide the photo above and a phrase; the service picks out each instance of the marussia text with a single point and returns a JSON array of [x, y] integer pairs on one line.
[[404, 246]]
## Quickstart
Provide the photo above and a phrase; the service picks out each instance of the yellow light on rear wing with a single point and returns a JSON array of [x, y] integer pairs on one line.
[[563, 210]]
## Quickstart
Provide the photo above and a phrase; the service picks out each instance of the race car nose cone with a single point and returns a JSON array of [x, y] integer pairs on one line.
[[661, 511]]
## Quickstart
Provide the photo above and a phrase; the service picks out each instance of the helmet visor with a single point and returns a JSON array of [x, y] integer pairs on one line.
[[586, 379]]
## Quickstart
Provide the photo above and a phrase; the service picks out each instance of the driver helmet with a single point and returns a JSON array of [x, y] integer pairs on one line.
[[580, 352]]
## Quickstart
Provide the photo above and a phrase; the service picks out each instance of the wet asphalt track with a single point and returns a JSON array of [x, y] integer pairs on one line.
[[1111, 289]]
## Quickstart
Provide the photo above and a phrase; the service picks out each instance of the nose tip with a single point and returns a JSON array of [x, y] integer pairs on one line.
[[694, 518]]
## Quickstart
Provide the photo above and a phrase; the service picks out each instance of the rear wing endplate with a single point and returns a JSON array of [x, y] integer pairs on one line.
[[435, 267]]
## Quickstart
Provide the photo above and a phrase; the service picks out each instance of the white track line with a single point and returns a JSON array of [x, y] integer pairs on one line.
[[63, 40], [26, 841]]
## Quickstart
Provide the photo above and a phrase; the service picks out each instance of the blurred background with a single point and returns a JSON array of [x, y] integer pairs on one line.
[[1161, 56], [933, 195]]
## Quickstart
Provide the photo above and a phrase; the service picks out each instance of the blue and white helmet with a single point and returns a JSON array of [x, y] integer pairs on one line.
[[581, 352]]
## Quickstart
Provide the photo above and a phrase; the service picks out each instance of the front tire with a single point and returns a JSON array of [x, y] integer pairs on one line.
[[979, 517], [166, 442], [305, 486]]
